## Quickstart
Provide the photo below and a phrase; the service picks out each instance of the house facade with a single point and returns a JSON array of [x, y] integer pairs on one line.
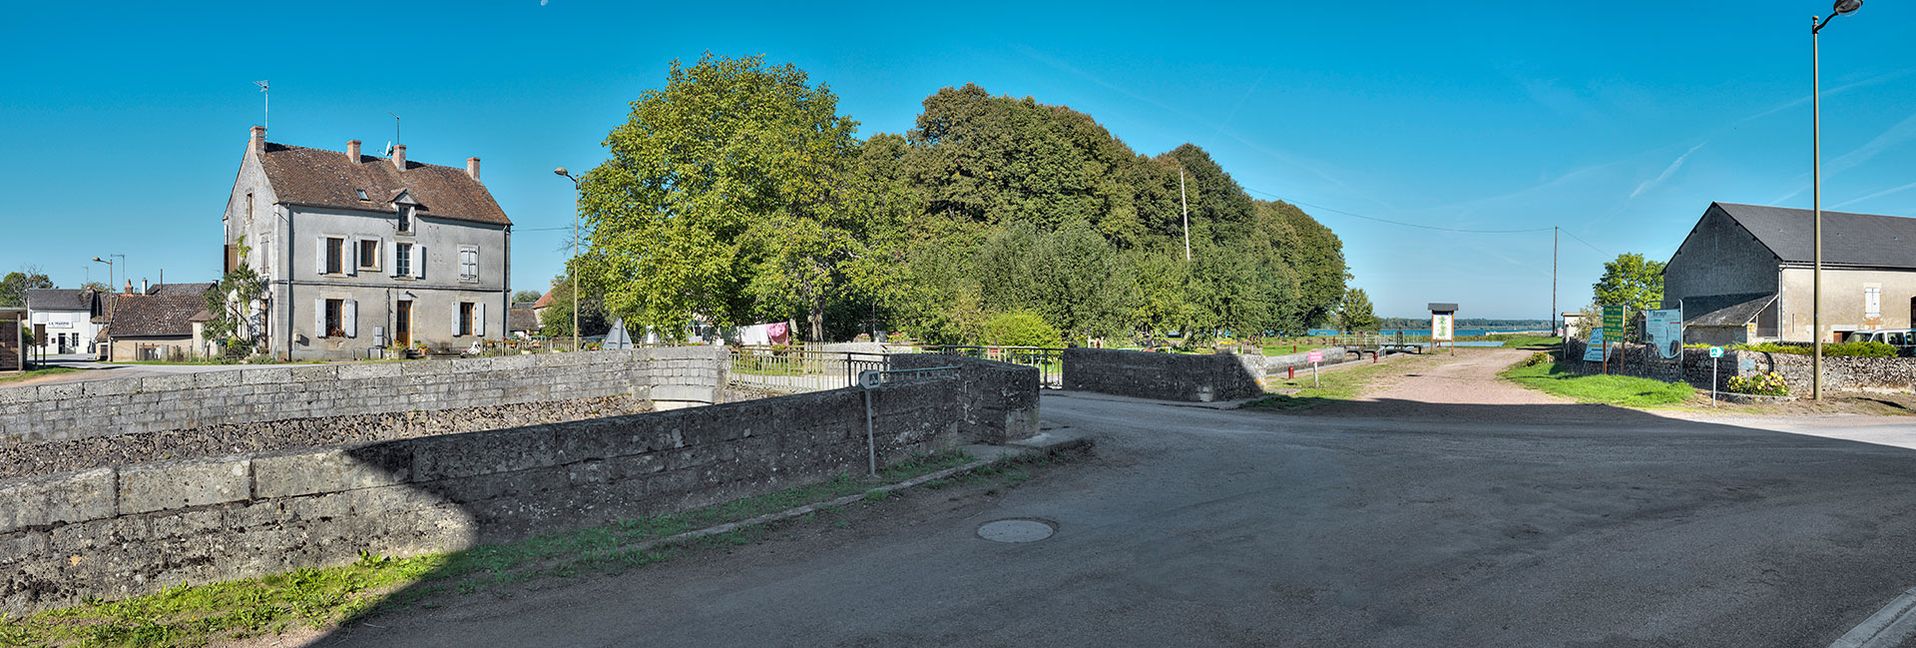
[[1745, 273], [361, 253], [63, 318]]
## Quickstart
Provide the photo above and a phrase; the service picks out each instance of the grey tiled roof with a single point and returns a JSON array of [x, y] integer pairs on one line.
[[169, 314], [1867, 240], [309, 176], [1725, 310], [59, 299]]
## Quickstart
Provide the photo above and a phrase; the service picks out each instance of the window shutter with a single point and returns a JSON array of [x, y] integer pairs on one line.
[[351, 325], [418, 261], [455, 320], [319, 255], [392, 258], [479, 319], [351, 256], [319, 317]]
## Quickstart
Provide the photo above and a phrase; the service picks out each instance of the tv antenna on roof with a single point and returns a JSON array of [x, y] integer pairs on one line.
[[396, 139], [267, 112]]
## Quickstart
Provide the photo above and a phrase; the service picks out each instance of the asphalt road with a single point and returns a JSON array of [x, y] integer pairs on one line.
[[1445, 521]]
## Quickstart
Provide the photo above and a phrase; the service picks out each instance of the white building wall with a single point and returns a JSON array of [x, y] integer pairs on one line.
[[77, 325]]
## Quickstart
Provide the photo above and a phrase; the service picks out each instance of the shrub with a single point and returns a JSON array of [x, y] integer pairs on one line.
[[1020, 328], [1769, 384], [1853, 349], [1538, 358]]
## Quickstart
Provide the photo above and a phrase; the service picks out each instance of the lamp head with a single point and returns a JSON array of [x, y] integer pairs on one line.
[[562, 172], [1847, 6], [99, 260]]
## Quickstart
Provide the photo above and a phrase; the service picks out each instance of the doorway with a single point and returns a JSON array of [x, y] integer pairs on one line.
[[402, 323]]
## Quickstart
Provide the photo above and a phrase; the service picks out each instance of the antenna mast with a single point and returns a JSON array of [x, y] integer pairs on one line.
[[396, 139], [266, 114], [1187, 214]]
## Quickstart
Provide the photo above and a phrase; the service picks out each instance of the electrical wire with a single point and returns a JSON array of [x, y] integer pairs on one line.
[[1401, 223]]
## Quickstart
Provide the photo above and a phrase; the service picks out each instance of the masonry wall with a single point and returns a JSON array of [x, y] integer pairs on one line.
[[127, 530], [1163, 376], [1842, 374], [997, 402], [186, 401]]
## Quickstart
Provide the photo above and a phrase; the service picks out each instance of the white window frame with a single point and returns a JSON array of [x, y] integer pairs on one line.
[[402, 259], [359, 254], [469, 270]]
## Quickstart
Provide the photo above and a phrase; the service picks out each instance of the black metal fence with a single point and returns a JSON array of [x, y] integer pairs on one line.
[[797, 369]]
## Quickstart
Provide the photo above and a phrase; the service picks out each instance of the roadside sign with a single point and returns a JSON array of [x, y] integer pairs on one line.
[[1716, 352], [1314, 357], [1593, 352], [1663, 329], [1613, 319]]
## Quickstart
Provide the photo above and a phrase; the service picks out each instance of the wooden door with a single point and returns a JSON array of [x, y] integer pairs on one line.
[[402, 323]]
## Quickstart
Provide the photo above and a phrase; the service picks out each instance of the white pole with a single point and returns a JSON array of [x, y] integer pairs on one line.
[[1713, 361], [1816, 206], [1187, 214]]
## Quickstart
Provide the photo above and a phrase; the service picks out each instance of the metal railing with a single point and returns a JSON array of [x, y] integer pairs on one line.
[[1048, 360], [792, 370]]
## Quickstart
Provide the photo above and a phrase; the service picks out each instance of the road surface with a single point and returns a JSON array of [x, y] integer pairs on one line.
[[1445, 510]]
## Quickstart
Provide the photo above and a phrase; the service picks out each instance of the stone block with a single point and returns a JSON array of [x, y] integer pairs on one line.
[[162, 486], [50, 393], [266, 375], [479, 453], [321, 376], [72, 497], [364, 371], [112, 387], [330, 471]]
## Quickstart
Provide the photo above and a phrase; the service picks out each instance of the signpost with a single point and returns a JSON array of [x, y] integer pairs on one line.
[[1443, 324], [1314, 357], [1613, 321], [1715, 353], [1664, 330]]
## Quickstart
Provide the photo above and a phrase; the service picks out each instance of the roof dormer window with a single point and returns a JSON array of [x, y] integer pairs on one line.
[[361, 193], [405, 218]]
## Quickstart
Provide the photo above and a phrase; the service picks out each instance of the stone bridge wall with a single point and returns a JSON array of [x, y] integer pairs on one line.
[[125, 530], [267, 394], [1200, 378]]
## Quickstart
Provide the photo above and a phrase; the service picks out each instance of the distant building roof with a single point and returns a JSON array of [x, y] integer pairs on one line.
[[309, 176], [545, 301], [42, 299], [1441, 307], [521, 318], [196, 288], [1867, 240], [1725, 310], [169, 314]]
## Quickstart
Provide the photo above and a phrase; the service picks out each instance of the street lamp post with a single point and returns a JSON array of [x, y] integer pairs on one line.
[[1816, 191], [573, 269], [109, 269]]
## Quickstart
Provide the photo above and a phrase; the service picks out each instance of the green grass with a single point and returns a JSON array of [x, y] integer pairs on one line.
[[1530, 341], [317, 597], [34, 373], [1628, 391]]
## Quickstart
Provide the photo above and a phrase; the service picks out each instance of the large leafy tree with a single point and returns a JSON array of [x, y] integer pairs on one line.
[[556, 322], [1356, 313], [724, 199], [14, 286], [1631, 280]]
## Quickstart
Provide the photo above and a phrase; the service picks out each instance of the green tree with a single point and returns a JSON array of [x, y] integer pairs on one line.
[[1631, 280], [526, 296], [724, 199], [235, 325], [14, 286], [556, 322], [1020, 328], [1355, 313]]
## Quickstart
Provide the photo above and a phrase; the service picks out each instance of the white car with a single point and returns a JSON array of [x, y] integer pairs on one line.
[[1903, 339]]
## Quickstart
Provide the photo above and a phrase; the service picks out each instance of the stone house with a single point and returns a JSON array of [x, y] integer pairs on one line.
[[1744, 273], [360, 252], [159, 325]]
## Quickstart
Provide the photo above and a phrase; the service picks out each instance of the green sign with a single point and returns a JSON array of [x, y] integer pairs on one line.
[[1613, 320]]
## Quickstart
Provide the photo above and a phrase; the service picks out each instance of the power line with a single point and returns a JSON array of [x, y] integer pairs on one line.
[[1585, 243]]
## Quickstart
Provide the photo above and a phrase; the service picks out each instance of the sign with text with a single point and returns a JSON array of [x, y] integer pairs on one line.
[[1442, 326], [1593, 352], [1716, 352], [1663, 329], [1613, 320], [1314, 357]]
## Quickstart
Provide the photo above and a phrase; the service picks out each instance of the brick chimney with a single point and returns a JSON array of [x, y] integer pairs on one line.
[[352, 150], [472, 167], [129, 280], [399, 156], [258, 141]]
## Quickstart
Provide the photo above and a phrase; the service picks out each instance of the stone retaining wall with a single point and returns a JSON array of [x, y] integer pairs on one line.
[[1840, 373], [997, 402], [186, 401], [126, 530], [1200, 378]]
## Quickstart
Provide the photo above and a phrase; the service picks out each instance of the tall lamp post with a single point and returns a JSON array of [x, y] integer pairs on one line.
[[109, 270], [574, 271], [1816, 190]]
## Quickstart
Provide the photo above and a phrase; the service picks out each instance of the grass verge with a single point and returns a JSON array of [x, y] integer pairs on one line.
[[319, 597], [1342, 384], [1531, 341], [1628, 391], [34, 373]]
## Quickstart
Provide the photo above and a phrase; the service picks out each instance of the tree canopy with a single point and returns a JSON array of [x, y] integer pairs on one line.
[[737, 193], [14, 286], [1631, 280]]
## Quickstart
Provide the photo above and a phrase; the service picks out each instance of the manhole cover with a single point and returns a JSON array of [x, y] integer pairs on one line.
[[1016, 530]]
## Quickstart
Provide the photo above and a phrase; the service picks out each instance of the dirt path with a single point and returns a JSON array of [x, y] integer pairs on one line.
[[1467, 378]]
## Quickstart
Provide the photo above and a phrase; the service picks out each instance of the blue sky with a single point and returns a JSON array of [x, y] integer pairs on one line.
[[1619, 121]]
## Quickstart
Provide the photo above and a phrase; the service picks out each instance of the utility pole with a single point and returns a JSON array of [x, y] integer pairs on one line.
[[1816, 189], [1187, 214], [1553, 280]]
